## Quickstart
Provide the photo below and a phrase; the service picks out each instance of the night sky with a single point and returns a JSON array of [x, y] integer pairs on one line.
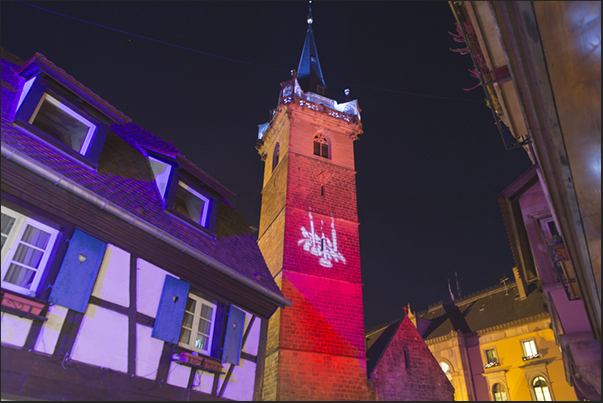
[[430, 163]]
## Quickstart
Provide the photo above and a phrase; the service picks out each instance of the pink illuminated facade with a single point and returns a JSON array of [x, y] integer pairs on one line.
[[309, 238]]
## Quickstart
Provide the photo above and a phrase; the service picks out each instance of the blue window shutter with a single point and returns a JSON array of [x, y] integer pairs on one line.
[[171, 310], [234, 336], [77, 275]]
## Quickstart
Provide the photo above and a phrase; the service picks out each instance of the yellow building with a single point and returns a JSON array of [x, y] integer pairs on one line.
[[496, 344]]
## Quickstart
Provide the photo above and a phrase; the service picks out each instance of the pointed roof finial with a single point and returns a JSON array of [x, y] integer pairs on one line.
[[309, 72]]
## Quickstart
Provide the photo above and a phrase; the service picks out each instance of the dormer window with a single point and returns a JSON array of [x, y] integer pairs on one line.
[[321, 146], [64, 124], [60, 119], [191, 204], [185, 195]]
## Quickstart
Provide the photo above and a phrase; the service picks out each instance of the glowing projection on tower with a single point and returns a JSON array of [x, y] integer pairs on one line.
[[321, 246]]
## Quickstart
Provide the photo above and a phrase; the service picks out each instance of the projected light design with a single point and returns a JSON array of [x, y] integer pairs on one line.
[[321, 246]]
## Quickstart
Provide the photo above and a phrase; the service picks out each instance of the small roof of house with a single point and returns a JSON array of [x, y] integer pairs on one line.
[[124, 177]]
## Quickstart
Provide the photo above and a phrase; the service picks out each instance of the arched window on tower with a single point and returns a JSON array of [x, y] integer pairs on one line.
[[500, 395], [321, 146], [541, 389], [275, 155]]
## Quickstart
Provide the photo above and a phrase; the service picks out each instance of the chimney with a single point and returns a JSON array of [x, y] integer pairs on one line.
[[521, 284]]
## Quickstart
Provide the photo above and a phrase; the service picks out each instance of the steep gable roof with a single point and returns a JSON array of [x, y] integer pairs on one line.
[[130, 184], [401, 353]]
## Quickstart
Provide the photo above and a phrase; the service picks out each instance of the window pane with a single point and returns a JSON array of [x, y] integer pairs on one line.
[[204, 326], [28, 256], [7, 223], [539, 395], [201, 342], [188, 320], [36, 237], [499, 393], [185, 336], [530, 348], [20, 276], [206, 312], [60, 125], [190, 305], [325, 150], [188, 204], [491, 356], [316, 148]]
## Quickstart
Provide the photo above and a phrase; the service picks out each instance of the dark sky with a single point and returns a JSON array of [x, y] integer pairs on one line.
[[430, 163]]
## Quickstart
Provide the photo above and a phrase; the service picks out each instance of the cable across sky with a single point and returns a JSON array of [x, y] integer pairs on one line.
[[235, 60]]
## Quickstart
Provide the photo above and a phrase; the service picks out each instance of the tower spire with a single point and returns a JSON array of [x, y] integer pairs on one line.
[[309, 73]]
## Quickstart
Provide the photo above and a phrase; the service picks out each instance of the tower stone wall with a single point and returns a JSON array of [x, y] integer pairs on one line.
[[309, 238]]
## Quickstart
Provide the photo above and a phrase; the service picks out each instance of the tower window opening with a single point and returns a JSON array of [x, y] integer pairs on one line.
[[406, 358], [275, 156], [322, 245], [321, 146], [322, 190]]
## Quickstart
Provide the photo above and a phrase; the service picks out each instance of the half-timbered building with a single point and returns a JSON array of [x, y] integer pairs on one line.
[[126, 275]]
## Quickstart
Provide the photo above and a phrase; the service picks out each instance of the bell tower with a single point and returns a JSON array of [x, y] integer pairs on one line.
[[309, 237]]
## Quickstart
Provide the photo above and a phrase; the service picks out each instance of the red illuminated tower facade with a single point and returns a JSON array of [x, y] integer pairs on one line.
[[309, 237]]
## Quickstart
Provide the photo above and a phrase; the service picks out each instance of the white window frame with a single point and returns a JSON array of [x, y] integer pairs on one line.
[[488, 363], [548, 390], [196, 317], [503, 392], [11, 246], [91, 126], [528, 355], [206, 202]]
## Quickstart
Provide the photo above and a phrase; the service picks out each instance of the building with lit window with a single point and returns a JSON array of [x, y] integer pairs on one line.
[[496, 344], [126, 275], [539, 64]]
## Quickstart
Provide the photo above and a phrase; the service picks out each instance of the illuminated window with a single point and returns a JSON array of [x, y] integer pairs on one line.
[[446, 368], [185, 195], [541, 389], [26, 246], [198, 324], [275, 156], [191, 204], [499, 393], [529, 350], [64, 124], [321, 146], [491, 358]]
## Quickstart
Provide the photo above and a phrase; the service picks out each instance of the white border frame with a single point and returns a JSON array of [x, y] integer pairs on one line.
[[91, 126], [21, 222], [195, 326]]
